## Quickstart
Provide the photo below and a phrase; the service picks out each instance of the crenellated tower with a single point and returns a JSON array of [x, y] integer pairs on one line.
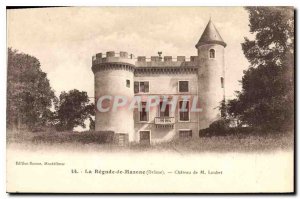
[[211, 74], [121, 75], [114, 77]]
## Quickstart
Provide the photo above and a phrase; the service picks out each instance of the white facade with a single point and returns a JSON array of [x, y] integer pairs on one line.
[[199, 77]]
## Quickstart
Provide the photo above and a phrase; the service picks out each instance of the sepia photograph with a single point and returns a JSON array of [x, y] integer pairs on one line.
[[150, 99]]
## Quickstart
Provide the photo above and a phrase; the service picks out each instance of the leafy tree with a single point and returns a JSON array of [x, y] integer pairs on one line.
[[91, 119], [72, 109], [223, 109], [267, 96], [29, 95], [92, 124]]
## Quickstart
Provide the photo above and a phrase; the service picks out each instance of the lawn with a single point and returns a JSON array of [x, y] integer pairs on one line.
[[87, 141]]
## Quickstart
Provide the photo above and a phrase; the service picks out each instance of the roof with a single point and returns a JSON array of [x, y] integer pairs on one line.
[[210, 36]]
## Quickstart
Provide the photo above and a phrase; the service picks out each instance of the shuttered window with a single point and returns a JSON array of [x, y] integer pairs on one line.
[[166, 111], [141, 87], [185, 133], [183, 86], [146, 86], [184, 114], [143, 113], [136, 87]]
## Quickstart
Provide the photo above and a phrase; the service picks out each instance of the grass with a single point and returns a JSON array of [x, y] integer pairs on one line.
[[231, 144], [83, 141]]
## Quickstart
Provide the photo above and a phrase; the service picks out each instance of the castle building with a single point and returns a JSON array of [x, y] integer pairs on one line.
[[200, 77]]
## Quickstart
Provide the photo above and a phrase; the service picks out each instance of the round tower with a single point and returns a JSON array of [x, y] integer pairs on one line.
[[114, 78], [211, 74]]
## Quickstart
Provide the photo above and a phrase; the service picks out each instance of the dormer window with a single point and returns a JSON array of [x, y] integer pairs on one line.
[[212, 53]]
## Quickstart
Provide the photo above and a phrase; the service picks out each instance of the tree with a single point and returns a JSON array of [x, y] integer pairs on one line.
[[267, 96], [223, 109], [92, 124], [72, 109], [29, 95], [92, 112]]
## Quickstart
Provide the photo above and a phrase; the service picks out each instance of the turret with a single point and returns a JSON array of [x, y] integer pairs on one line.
[[211, 74], [114, 77]]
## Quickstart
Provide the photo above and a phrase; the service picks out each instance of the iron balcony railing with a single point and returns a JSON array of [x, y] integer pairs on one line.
[[164, 120]]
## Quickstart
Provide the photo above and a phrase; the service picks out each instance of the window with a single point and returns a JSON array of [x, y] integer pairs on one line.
[[183, 86], [141, 87], [136, 87], [212, 53], [128, 83], [143, 113], [166, 112], [121, 139], [185, 133], [222, 82], [146, 87], [184, 114]]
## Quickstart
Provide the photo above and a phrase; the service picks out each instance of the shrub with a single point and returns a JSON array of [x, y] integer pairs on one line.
[[222, 128], [217, 128], [80, 137], [220, 125]]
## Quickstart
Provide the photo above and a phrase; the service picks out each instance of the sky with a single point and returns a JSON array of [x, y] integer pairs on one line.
[[65, 39]]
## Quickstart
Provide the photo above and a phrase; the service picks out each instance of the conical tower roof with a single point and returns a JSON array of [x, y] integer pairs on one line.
[[210, 36]]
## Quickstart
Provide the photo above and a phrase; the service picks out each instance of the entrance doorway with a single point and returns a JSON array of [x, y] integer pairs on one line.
[[145, 137]]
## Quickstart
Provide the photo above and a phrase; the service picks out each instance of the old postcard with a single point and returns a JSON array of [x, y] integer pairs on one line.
[[150, 100]]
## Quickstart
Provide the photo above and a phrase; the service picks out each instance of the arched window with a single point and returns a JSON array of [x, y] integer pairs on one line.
[[212, 53]]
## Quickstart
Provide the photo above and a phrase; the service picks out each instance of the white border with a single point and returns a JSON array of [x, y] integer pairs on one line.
[[149, 3], [3, 59]]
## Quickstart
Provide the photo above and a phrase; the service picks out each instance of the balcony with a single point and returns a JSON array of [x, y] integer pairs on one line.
[[164, 121]]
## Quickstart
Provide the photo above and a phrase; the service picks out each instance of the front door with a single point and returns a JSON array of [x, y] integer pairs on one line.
[[145, 137]]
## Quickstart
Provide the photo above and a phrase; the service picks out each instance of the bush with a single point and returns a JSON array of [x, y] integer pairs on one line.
[[80, 137], [222, 128], [217, 128], [220, 125]]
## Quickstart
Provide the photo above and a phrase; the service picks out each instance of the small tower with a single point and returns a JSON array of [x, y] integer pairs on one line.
[[114, 77], [211, 74]]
